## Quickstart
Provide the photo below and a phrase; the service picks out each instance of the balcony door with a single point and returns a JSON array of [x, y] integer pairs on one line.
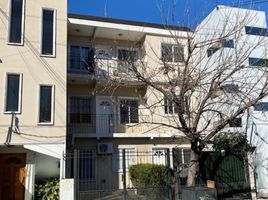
[[104, 117], [12, 176]]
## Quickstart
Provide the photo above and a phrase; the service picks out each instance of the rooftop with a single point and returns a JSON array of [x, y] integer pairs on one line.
[[129, 22]]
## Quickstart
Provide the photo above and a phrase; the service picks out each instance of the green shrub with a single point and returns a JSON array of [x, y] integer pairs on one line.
[[147, 175], [48, 189]]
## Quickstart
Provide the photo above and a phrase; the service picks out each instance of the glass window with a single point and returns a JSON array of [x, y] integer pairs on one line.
[[13, 88], [258, 62], [228, 43], [45, 104], [170, 107], [81, 110], [159, 156], [16, 21], [127, 55], [255, 31], [172, 53], [48, 32], [263, 106], [129, 111], [212, 50], [126, 58], [81, 58], [230, 88], [237, 122]]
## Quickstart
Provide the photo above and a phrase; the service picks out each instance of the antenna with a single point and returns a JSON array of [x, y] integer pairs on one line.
[[105, 9]]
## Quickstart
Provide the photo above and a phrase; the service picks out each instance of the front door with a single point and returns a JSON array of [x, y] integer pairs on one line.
[[12, 176], [104, 118]]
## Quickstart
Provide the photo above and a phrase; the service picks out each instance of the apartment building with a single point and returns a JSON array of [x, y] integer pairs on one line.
[[33, 44], [238, 37], [107, 104]]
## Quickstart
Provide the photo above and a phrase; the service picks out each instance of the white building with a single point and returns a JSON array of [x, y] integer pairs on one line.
[[238, 37]]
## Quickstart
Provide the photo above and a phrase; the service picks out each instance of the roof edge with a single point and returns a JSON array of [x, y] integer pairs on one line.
[[129, 22]]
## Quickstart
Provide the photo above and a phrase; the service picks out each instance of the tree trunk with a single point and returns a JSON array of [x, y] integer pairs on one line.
[[193, 169]]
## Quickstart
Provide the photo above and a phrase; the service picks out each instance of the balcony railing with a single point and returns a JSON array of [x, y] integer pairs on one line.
[[101, 125], [100, 68]]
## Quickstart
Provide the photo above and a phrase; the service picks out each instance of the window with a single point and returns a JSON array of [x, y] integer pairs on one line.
[[237, 122], [81, 110], [228, 43], [160, 156], [129, 111], [218, 45], [131, 159], [13, 93], [46, 100], [258, 62], [230, 88], [48, 32], [255, 31], [16, 18], [127, 55], [81, 58], [86, 164], [172, 53], [212, 50], [263, 106], [126, 58], [170, 107]]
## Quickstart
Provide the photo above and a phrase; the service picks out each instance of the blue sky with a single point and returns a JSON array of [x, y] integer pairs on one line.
[[185, 12]]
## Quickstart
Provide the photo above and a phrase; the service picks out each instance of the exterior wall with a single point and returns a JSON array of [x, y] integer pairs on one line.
[[107, 175], [36, 70], [224, 21], [150, 53]]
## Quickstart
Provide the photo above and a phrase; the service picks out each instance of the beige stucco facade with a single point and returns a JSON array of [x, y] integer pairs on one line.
[[21, 133], [26, 59]]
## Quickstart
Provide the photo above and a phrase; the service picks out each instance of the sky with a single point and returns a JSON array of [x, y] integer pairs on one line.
[[178, 12]]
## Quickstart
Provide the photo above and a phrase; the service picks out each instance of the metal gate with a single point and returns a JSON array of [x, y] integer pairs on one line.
[[106, 176]]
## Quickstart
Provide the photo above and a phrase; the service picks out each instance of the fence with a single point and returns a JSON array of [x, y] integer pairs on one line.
[[111, 176]]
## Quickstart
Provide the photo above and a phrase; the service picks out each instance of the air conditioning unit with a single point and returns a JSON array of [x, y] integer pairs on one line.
[[105, 148]]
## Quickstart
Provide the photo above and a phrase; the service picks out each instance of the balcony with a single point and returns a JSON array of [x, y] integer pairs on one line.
[[100, 69], [101, 126]]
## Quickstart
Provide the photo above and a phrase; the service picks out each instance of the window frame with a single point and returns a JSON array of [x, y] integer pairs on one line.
[[236, 123], [254, 62], [51, 123], [80, 45], [22, 24], [53, 55], [248, 31], [70, 108], [20, 93], [119, 111], [256, 108], [126, 66], [173, 107], [165, 150], [173, 54]]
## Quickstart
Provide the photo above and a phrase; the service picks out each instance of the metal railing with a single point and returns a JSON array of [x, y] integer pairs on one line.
[[100, 68], [103, 125], [107, 176]]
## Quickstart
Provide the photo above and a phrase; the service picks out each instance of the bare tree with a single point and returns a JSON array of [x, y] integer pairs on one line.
[[203, 78]]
